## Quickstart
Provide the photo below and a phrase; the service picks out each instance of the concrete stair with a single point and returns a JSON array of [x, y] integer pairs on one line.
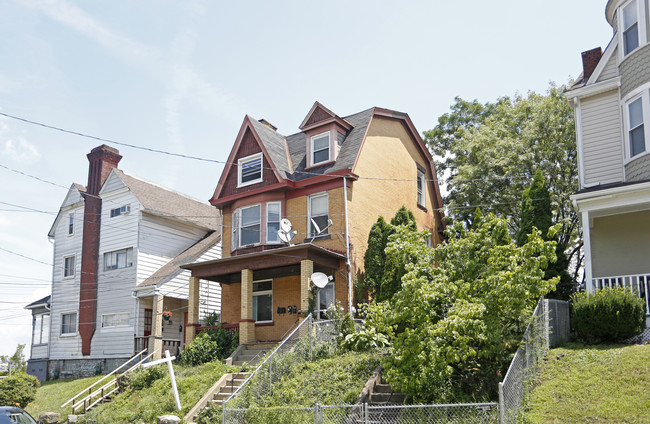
[[383, 394], [251, 354], [218, 393]]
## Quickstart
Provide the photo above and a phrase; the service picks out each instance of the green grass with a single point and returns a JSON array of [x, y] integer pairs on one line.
[[52, 394], [134, 405], [146, 404], [592, 384]]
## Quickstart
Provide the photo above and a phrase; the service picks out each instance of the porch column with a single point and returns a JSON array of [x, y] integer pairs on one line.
[[192, 310], [586, 238], [246, 323], [155, 339], [306, 270]]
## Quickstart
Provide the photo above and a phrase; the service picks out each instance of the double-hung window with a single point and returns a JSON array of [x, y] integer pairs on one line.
[[318, 214], [71, 224], [320, 148], [69, 324], [636, 130], [41, 330], [122, 210], [115, 320], [630, 27], [263, 301], [272, 222], [117, 259], [421, 188], [249, 170], [68, 266], [250, 225]]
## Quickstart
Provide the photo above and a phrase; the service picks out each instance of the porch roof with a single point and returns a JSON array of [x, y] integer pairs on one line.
[[266, 264]]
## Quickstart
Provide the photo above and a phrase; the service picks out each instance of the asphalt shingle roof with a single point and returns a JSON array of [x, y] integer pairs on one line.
[[163, 201]]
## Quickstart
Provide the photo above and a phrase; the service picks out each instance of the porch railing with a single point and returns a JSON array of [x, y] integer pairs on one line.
[[233, 328], [639, 283], [142, 343]]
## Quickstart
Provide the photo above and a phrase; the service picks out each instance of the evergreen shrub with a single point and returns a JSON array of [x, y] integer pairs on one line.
[[609, 315], [18, 389], [210, 345]]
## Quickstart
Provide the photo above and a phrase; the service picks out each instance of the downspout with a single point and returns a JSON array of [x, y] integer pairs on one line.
[[347, 244]]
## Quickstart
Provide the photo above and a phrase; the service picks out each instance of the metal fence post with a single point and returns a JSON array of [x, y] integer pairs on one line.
[[309, 327], [502, 407], [366, 419], [270, 375]]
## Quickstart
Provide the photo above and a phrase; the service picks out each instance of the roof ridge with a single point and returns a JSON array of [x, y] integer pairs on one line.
[[171, 190]]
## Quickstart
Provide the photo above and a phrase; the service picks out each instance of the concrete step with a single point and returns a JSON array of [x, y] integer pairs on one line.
[[262, 345], [382, 388], [386, 398]]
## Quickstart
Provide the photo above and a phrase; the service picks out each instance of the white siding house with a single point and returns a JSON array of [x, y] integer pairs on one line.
[[611, 100], [142, 228]]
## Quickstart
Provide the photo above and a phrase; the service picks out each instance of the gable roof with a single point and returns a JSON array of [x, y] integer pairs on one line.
[[39, 303], [74, 188], [162, 201], [172, 268]]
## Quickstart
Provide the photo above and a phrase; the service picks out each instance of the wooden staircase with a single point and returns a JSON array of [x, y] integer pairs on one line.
[[218, 393]]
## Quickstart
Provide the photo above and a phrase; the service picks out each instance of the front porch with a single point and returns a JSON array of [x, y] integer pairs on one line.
[[266, 293]]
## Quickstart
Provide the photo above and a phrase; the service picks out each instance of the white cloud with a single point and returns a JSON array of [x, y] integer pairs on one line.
[[19, 150]]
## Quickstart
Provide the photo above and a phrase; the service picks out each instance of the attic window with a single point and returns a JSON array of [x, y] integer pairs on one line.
[[320, 148], [249, 170]]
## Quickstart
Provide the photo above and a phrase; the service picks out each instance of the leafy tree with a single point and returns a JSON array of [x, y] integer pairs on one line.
[[383, 276], [536, 211], [490, 152], [16, 361], [462, 309]]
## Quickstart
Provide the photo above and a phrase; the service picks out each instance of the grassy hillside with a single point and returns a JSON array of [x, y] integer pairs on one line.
[[153, 398], [584, 384]]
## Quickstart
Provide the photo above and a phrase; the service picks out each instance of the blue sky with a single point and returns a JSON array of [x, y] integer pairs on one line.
[[180, 77]]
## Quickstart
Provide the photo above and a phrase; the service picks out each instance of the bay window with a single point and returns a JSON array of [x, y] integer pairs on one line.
[[272, 222], [636, 131], [41, 329], [249, 222], [632, 26]]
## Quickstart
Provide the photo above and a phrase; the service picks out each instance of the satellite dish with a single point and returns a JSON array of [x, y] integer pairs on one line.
[[316, 227], [285, 237], [285, 225], [320, 280]]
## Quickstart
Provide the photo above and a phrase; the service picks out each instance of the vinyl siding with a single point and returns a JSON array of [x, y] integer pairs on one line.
[[115, 285], [65, 291], [611, 69], [602, 145], [160, 241]]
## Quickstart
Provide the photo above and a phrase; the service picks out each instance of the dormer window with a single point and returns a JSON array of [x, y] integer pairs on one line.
[[632, 28], [249, 170], [320, 148]]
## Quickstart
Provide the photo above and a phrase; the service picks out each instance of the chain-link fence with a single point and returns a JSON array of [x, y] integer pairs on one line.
[[308, 340], [311, 339], [524, 366], [469, 413]]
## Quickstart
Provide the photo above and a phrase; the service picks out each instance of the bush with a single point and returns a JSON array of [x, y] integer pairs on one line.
[[607, 315], [145, 377], [19, 389], [210, 345]]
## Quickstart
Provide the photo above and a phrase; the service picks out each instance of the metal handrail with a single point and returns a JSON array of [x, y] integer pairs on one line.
[[232, 395], [103, 378]]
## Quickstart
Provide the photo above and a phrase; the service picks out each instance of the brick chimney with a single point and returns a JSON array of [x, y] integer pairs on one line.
[[590, 60], [102, 160]]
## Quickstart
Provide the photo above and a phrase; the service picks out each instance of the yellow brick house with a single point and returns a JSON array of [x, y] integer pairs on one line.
[[331, 180]]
